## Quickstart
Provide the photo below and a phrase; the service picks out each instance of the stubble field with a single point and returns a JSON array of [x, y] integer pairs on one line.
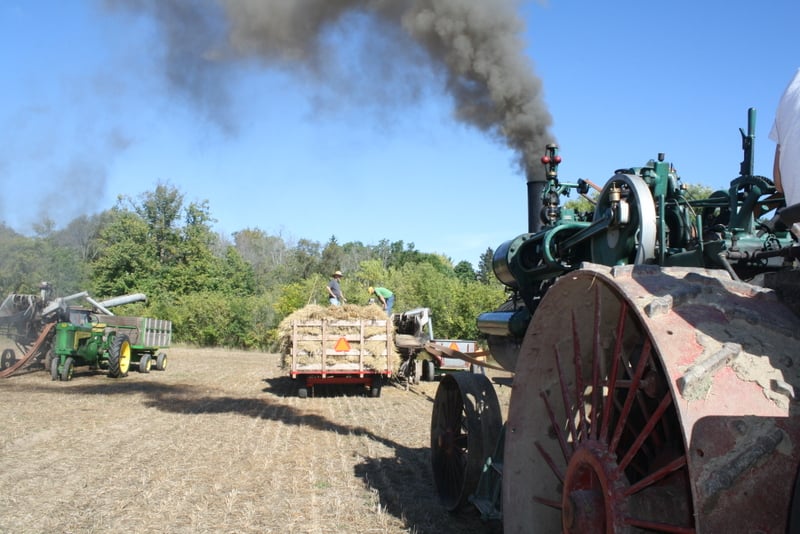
[[219, 442]]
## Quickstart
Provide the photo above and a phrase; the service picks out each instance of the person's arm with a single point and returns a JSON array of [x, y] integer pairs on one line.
[[776, 169]]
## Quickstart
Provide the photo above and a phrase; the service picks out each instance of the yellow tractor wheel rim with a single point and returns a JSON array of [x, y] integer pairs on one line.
[[124, 357]]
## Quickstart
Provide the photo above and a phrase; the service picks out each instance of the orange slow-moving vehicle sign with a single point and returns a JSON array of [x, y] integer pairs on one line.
[[342, 345]]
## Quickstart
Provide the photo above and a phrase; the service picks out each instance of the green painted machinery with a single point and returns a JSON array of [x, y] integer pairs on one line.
[[108, 342], [641, 216], [653, 346]]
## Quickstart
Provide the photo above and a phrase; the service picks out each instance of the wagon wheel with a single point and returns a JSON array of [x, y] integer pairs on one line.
[[67, 369], [465, 426], [145, 363], [161, 362], [600, 439], [119, 356], [428, 371], [7, 359], [375, 387]]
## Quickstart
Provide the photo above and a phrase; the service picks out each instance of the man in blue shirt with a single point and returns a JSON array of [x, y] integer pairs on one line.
[[335, 296]]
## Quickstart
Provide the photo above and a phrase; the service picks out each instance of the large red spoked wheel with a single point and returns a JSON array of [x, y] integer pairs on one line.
[[619, 422]]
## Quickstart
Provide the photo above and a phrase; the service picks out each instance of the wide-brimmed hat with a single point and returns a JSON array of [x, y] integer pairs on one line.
[[338, 273]]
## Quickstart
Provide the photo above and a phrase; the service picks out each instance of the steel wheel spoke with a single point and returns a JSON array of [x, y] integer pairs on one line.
[[579, 387], [565, 398], [678, 463], [617, 431], [594, 423], [562, 441], [626, 409], [612, 378], [644, 433]]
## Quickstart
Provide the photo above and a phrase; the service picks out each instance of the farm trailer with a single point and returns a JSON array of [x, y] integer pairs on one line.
[[325, 351]]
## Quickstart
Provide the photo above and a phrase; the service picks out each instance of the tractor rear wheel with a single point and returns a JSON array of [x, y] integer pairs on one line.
[[145, 363], [465, 427], [67, 369], [119, 356]]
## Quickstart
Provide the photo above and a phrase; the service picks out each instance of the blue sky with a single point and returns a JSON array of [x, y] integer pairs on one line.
[[88, 115]]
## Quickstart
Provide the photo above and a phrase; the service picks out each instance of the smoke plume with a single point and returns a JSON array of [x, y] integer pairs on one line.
[[476, 44]]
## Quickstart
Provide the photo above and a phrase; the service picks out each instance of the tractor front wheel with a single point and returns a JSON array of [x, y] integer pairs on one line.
[[119, 357], [54, 367], [145, 363], [67, 369]]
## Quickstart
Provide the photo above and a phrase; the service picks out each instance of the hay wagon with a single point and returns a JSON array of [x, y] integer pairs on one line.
[[334, 351]]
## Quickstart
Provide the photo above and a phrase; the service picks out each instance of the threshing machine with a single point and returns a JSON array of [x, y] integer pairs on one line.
[[654, 345], [425, 357], [55, 334]]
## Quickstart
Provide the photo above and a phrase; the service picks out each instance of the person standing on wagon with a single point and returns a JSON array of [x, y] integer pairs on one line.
[[335, 296]]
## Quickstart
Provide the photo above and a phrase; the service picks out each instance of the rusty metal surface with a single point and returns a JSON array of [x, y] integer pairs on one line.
[[736, 345], [726, 351]]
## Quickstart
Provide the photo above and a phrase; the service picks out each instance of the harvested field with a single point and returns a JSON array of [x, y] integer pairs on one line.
[[219, 442]]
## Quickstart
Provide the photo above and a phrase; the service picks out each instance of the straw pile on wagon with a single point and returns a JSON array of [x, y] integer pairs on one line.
[[306, 322]]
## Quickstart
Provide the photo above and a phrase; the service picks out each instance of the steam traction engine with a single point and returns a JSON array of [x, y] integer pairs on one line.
[[654, 348]]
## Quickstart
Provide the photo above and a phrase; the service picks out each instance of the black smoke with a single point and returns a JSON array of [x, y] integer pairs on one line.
[[476, 46]]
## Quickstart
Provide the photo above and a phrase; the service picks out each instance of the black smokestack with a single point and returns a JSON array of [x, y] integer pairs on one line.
[[477, 44]]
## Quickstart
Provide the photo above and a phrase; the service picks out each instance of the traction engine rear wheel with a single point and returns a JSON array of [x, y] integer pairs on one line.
[[119, 356], [594, 427], [465, 426]]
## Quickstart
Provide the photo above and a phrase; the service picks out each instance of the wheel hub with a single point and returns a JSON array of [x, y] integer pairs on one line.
[[593, 499]]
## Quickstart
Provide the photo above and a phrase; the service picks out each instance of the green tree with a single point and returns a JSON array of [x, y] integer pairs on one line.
[[464, 271], [485, 273], [331, 257], [127, 260]]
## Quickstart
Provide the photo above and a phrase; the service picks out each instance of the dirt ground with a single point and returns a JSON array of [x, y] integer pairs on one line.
[[219, 442]]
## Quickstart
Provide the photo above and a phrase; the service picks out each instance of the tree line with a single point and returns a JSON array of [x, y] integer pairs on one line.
[[232, 291]]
